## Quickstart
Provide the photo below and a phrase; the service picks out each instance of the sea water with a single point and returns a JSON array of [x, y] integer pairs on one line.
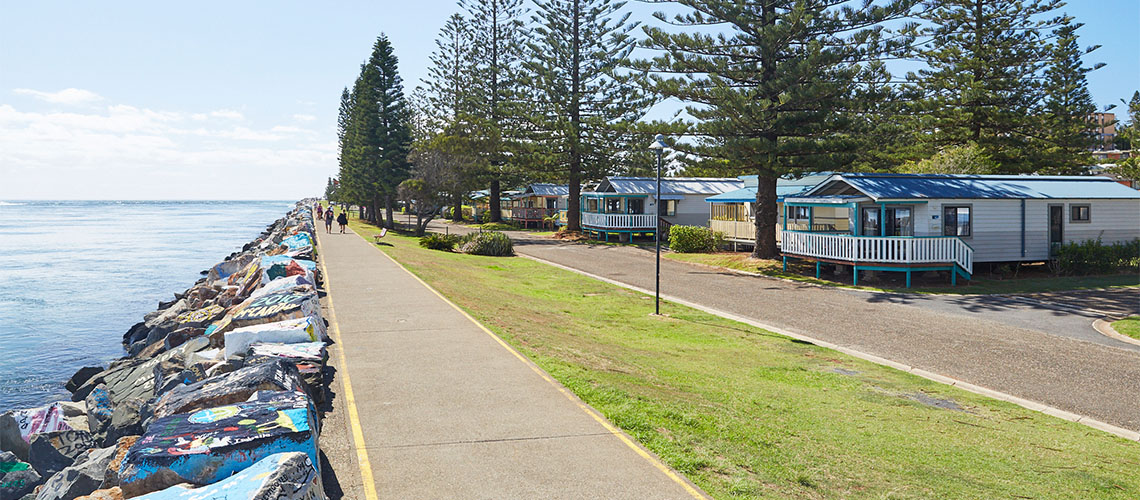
[[75, 275]]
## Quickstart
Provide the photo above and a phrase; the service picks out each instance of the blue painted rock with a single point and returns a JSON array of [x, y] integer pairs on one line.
[[17, 478], [81, 478], [291, 331], [209, 445], [285, 476], [229, 388], [99, 410]]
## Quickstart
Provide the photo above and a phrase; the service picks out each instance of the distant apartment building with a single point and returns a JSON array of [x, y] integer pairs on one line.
[[1104, 129]]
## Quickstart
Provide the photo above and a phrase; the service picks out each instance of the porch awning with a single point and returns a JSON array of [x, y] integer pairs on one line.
[[825, 200], [671, 197]]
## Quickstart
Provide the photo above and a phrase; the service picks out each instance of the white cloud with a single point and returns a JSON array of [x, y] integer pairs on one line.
[[304, 118], [123, 152], [228, 114], [70, 96]]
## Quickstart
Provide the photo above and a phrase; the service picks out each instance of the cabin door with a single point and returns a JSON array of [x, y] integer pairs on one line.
[[1056, 227]]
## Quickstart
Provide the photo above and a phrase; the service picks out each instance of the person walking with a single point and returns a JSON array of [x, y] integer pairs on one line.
[[328, 220], [342, 219], [320, 211]]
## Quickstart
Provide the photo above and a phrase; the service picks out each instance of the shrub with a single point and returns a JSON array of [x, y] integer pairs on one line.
[[436, 241], [1094, 257], [491, 243], [498, 226], [693, 239]]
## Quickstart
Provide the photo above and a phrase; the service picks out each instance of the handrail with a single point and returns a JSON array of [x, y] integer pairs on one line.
[[880, 249], [619, 221]]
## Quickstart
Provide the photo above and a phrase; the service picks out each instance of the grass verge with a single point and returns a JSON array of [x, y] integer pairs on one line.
[[805, 271], [746, 413], [1129, 326]]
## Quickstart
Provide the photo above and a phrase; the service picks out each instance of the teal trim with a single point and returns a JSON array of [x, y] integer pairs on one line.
[[882, 220], [785, 217], [817, 269], [811, 217], [833, 205], [785, 263]]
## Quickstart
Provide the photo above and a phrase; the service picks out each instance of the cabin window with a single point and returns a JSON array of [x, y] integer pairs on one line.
[[957, 221], [667, 208], [613, 205], [551, 203], [635, 206], [592, 205], [1080, 213]]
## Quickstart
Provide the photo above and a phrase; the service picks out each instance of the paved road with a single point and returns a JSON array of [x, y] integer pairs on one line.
[[1028, 350], [446, 411]]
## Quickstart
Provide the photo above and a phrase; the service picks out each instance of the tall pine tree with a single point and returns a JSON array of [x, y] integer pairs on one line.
[[982, 83], [584, 107], [783, 91], [497, 30], [1067, 137]]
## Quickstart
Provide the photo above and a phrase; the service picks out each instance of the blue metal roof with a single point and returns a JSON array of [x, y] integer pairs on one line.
[[540, 189], [921, 186], [671, 185], [784, 187]]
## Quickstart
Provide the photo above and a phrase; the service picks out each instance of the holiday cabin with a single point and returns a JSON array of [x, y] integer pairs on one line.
[[627, 206]]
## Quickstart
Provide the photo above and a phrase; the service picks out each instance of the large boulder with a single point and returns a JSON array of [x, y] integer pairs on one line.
[[278, 266], [81, 478], [291, 303], [308, 357], [284, 476], [292, 331], [51, 452], [111, 474], [127, 419], [17, 478], [230, 388], [209, 445], [134, 379], [115, 493], [18, 427], [82, 376]]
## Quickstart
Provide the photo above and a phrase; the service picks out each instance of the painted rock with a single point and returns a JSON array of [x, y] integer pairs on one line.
[[293, 331], [229, 388], [286, 476], [308, 357], [81, 478], [51, 452], [209, 445], [111, 473], [17, 478], [17, 428], [99, 410], [289, 267], [224, 270], [281, 284]]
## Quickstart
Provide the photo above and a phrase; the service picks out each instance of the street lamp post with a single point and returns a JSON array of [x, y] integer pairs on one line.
[[659, 145]]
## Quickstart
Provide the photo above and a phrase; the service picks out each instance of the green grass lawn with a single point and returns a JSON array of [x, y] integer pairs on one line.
[[1129, 326], [746, 413], [805, 271]]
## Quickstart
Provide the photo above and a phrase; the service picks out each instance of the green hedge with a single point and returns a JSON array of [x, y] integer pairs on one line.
[[1095, 257], [694, 239], [499, 226]]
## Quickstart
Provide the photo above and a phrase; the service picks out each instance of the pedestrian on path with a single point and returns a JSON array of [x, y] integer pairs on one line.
[[328, 220], [342, 219]]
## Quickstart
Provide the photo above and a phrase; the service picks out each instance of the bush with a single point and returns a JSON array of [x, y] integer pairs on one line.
[[491, 243], [498, 226], [436, 241], [694, 239], [1094, 257]]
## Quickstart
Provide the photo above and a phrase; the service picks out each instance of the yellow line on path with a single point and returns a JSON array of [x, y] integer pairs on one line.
[[349, 398], [695, 493]]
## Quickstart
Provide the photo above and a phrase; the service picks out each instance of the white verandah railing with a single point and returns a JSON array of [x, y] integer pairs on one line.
[[881, 249], [620, 221]]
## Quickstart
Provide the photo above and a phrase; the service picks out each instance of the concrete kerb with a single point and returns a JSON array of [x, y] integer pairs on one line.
[[976, 389], [1104, 327], [692, 489]]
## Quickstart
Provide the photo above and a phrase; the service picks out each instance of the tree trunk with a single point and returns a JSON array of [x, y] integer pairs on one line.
[[457, 214], [765, 209], [574, 202], [389, 203], [420, 224], [496, 204]]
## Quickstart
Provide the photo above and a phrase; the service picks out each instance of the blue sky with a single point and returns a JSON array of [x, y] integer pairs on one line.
[[238, 100]]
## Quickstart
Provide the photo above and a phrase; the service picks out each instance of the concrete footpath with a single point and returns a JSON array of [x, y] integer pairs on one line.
[[447, 410]]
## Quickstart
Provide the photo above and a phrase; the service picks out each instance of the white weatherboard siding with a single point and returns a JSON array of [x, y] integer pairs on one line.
[[691, 211], [997, 225]]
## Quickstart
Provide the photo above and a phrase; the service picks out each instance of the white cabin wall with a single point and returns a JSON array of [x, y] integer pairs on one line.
[[691, 211]]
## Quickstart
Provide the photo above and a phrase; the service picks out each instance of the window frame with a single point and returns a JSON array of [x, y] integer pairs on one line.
[[1088, 213], [667, 208], [968, 206]]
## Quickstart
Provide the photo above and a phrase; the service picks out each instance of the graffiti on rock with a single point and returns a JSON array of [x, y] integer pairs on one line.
[[281, 476], [40, 420]]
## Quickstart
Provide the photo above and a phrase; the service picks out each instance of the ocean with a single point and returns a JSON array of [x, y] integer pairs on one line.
[[75, 275]]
